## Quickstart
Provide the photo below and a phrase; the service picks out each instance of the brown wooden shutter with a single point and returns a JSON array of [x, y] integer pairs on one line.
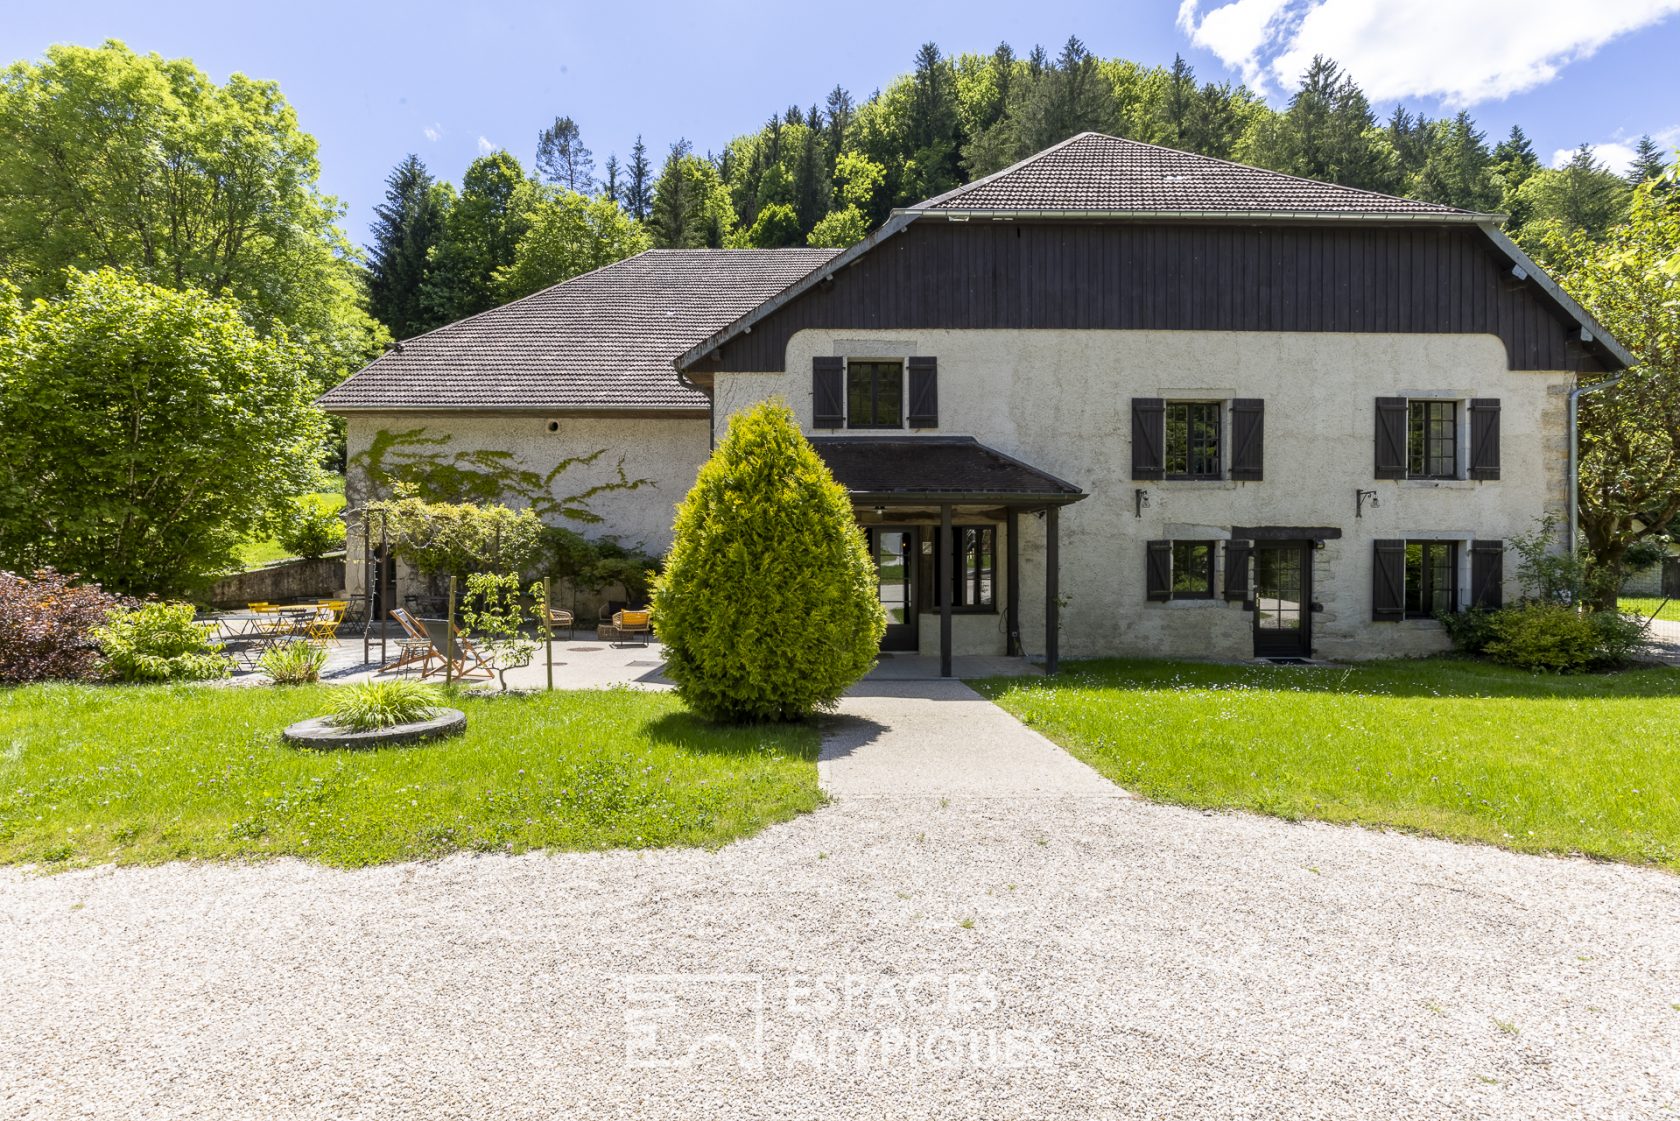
[[1388, 581], [1484, 438], [1391, 437], [1149, 429], [924, 392], [1236, 570], [828, 392], [1159, 556], [1248, 431], [1487, 575]]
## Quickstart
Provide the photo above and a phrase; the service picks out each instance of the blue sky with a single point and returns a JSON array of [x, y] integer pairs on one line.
[[374, 81]]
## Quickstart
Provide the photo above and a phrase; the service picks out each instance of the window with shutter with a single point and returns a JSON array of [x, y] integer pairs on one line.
[[1248, 430], [1487, 575], [1391, 438], [1388, 581], [1158, 570], [924, 392], [1236, 570], [1484, 438], [1148, 436], [828, 392]]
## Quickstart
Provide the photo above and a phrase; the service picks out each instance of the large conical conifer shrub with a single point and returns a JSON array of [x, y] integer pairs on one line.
[[768, 607]]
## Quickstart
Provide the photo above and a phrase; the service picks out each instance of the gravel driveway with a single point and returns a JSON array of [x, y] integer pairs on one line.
[[886, 957]]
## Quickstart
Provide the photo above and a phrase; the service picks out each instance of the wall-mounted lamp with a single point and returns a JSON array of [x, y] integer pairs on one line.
[[880, 512], [1360, 499], [1140, 502]]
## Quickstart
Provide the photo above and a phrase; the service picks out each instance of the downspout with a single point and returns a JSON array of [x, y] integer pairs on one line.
[[1575, 396], [711, 409]]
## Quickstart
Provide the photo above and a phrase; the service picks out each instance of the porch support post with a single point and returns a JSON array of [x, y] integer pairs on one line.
[[1012, 584], [1052, 588], [944, 549]]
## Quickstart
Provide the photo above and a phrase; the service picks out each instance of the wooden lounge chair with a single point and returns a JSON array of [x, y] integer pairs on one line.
[[414, 648], [468, 663]]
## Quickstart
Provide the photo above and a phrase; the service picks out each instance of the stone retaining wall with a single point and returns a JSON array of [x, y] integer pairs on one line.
[[281, 582]]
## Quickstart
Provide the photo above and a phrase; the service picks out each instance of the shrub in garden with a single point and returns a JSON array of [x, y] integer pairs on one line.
[[1547, 636], [311, 529], [385, 704], [767, 607], [491, 616], [45, 620], [295, 663], [159, 642]]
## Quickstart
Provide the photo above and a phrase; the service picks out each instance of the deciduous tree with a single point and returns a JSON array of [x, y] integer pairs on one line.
[[145, 432]]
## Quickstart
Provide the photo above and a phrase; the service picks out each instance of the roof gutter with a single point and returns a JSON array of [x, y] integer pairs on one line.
[[825, 271], [954, 214], [1575, 396]]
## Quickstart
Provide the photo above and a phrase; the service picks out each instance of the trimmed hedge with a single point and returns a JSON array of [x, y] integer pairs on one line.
[[768, 606]]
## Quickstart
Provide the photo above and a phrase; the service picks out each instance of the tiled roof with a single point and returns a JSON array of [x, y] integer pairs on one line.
[[1107, 174], [604, 340], [934, 466]]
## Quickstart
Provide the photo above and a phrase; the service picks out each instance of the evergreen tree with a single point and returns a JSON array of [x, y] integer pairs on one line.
[[1583, 196], [562, 159], [838, 112], [811, 178], [610, 186], [1514, 162], [1178, 107], [931, 127], [1458, 169], [638, 183], [405, 228], [480, 236], [691, 207], [1411, 138], [1327, 133], [1648, 162]]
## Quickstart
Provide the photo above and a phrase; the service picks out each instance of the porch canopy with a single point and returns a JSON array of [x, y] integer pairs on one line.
[[940, 473]]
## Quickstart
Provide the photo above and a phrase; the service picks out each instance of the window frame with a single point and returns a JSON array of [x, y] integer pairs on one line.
[[964, 603], [1211, 547], [875, 382], [1426, 590], [1215, 410], [1427, 451]]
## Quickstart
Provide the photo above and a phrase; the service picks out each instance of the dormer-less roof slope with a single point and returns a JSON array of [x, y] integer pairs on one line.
[[602, 341], [1095, 177], [1096, 174]]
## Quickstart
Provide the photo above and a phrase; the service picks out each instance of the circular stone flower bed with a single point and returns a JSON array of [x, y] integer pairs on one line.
[[321, 732]]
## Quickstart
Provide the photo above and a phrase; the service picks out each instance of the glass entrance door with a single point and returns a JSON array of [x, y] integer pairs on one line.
[[894, 549], [1282, 599]]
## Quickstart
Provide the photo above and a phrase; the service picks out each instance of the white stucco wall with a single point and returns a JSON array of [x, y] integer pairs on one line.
[[1061, 400], [667, 452]]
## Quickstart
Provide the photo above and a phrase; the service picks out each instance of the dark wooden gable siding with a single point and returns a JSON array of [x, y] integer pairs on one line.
[[1162, 276]]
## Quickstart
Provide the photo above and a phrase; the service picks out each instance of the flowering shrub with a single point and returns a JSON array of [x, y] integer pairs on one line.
[[45, 621]]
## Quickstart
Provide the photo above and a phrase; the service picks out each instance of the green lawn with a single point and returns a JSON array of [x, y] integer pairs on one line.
[[1460, 749], [1646, 606], [141, 774]]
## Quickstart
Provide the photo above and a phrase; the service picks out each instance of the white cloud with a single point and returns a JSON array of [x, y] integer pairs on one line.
[[1617, 153], [433, 133], [1461, 51], [487, 146]]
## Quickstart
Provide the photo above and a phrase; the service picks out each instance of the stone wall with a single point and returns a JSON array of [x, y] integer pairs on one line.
[[281, 583], [1061, 401]]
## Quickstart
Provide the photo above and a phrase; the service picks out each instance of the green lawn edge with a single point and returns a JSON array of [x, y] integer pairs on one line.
[[1464, 750], [94, 775]]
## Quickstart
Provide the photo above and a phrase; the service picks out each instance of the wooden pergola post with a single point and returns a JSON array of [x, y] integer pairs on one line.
[[1012, 584], [1052, 589], [945, 548]]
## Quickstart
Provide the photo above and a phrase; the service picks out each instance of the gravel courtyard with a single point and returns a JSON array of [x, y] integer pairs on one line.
[[1049, 955]]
